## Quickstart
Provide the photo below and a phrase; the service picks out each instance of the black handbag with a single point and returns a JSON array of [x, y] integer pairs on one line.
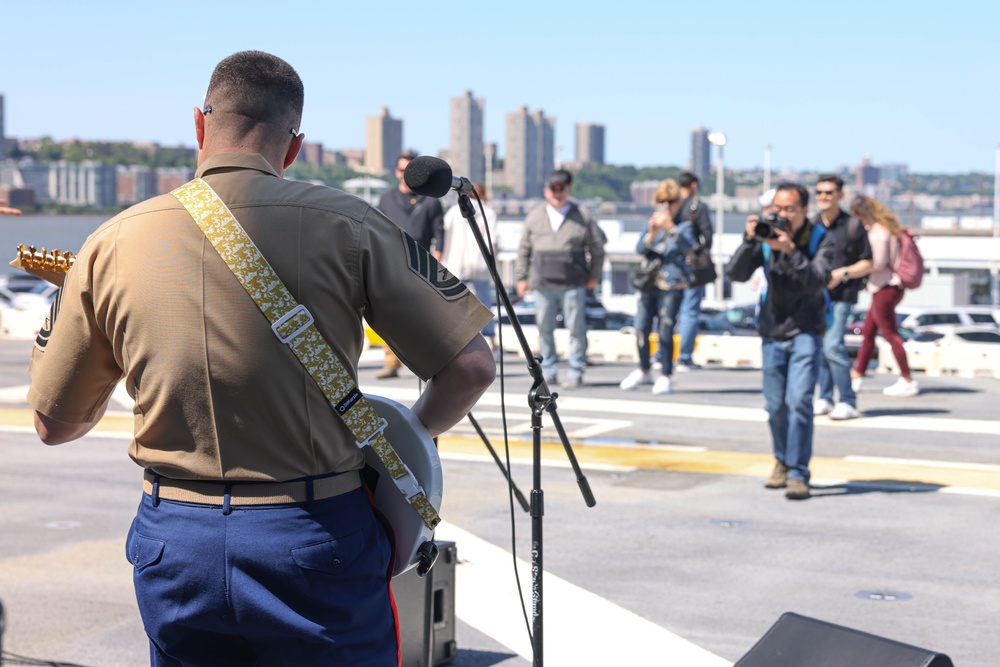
[[700, 266], [699, 259], [646, 272]]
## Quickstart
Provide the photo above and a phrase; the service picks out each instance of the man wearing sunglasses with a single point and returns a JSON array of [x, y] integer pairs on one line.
[[852, 259], [560, 257]]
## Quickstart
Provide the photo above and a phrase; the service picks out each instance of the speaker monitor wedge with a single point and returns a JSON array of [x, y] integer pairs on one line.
[[800, 641]]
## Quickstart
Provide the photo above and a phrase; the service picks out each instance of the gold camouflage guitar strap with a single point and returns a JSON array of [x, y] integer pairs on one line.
[[293, 324]]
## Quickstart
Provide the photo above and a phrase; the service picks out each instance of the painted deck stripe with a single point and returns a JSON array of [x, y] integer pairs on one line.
[[578, 626]]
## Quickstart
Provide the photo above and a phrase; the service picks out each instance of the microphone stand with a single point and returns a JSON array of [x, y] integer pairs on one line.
[[540, 400]]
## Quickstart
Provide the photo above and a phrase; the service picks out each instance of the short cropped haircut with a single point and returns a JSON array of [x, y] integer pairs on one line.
[[686, 179], [795, 187], [831, 178], [252, 88]]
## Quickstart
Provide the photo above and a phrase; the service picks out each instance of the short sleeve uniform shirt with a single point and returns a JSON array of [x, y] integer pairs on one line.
[[218, 397]]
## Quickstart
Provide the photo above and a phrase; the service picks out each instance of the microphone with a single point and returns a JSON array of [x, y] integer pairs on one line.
[[432, 177]]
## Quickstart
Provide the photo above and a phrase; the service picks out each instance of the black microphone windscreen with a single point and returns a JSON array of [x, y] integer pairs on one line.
[[429, 176]]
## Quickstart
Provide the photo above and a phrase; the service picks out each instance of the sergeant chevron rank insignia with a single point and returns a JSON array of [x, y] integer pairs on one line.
[[422, 263]]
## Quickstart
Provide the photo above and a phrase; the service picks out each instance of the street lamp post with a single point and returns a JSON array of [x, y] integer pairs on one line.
[[719, 139]]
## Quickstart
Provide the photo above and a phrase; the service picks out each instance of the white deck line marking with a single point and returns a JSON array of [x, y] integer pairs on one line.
[[620, 407], [576, 623]]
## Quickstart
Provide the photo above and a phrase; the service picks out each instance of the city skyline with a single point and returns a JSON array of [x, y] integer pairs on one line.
[[649, 72]]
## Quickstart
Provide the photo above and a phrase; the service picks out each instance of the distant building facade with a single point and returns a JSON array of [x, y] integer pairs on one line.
[[3, 134], [383, 142], [86, 183], [589, 144], [171, 178], [136, 183], [530, 155], [701, 154], [465, 153], [311, 153]]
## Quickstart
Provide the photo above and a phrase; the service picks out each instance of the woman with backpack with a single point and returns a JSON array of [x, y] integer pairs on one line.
[[884, 234]]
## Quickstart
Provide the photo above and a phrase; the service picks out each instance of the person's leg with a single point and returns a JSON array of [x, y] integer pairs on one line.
[[689, 315], [835, 363], [775, 376], [868, 330], [670, 306], [178, 552], [391, 365], [889, 327], [803, 362], [574, 318], [483, 289], [547, 303], [645, 311], [310, 584]]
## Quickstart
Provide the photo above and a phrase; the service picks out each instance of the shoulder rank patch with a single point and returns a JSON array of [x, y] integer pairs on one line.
[[46, 329], [422, 263]]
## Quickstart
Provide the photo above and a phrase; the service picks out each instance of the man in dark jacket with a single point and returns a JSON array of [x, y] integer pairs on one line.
[[422, 218], [792, 323], [694, 210]]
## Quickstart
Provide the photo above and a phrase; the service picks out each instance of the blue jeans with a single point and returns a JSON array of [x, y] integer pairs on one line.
[[483, 289], [664, 306], [690, 313], [570, 300], [835, 364], [264, 585], [790, 369]]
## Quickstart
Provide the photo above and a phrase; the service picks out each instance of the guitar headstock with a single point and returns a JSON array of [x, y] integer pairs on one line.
[[56, 260], [51, 266]]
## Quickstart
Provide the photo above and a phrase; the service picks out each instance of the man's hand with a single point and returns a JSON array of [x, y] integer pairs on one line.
[[751, 227], [781, 242], [522, 287]]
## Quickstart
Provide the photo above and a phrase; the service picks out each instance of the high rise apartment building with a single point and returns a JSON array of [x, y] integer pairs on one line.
[[530, 156], [465, 154], [701, 154], [87, 183], [383, 142], [3, 136], [589, 144]]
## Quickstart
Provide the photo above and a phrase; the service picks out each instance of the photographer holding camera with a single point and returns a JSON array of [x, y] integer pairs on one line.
[[797, 257]]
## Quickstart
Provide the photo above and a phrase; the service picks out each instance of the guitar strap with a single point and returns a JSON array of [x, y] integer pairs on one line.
[[293, 324]]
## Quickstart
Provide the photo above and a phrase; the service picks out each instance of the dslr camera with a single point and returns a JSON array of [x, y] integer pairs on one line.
[[764, 229]]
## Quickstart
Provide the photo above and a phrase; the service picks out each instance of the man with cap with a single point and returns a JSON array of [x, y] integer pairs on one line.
[[560, 257], [695, 211]]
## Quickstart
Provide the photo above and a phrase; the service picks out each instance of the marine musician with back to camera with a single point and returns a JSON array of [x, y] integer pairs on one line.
[[255, 542]]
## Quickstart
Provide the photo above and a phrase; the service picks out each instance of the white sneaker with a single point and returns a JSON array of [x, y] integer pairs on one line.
[[634, 379], [902, 388], [663, 385], [822, 406], [844, 411], [856, 384]]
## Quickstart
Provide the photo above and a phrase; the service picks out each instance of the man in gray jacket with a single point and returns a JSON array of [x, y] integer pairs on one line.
[[560, 257]]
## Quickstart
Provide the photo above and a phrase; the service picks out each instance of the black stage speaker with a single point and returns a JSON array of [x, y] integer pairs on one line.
[[426, 608], [799, 641]]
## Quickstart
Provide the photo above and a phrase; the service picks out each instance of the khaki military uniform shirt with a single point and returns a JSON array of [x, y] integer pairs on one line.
[[217, 395]]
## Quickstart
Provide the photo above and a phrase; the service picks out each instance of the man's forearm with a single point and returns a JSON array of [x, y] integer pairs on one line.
[[452, 393]]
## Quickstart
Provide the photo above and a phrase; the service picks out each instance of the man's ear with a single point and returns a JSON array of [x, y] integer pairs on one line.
[[293, 149], [199, 127]]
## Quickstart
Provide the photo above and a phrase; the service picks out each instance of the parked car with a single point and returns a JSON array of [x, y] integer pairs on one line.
[[742, 317], [911, 318], [942, 335]]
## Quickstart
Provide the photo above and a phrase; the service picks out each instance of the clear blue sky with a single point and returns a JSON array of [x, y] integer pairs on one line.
[[821, 83]]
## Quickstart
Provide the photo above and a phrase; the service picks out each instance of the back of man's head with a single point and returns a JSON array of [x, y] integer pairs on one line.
[[687, 180], [255, 93]]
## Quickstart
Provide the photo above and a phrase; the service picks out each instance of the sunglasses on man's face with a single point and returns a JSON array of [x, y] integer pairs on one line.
[[557, 188]]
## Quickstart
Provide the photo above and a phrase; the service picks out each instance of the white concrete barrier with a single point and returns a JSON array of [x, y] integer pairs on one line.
[[970, 360], [22, 324]]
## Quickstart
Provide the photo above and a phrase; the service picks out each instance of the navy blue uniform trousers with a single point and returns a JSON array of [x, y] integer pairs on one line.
[[304, 584]]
